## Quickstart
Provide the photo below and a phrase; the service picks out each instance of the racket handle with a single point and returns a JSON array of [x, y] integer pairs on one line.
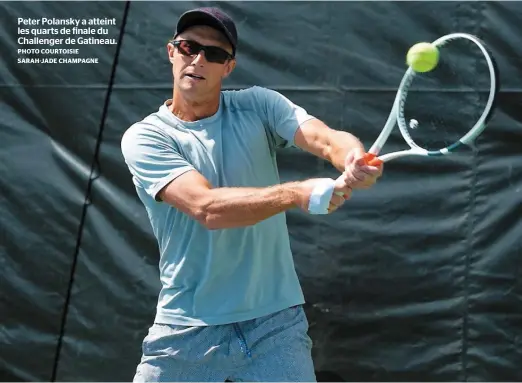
[[372, 160]]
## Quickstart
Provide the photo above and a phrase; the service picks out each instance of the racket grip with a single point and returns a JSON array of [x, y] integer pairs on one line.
[[372, 160]]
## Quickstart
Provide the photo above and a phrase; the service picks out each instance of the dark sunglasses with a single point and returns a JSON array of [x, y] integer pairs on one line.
[[212, 54]]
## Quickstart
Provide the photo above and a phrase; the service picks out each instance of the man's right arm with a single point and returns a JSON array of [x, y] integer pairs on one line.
[[165, 175], [227, 207]]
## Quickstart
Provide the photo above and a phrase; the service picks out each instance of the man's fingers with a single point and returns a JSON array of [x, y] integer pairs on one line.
[[368, 169], [359, 157], [337, 200], [359, 174], [359, 161], [363, 172], [372, 170]]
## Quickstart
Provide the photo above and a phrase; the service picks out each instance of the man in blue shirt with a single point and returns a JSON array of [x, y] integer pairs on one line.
[[204, 167]]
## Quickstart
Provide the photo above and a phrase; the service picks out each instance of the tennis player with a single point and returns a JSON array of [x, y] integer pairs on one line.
[[204, 167]]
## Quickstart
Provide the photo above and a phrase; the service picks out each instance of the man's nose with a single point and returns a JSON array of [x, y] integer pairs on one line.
[[199, 58]]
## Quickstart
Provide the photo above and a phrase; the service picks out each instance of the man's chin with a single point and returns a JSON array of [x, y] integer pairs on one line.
[[194, 89], [190, 85], [192, 92]]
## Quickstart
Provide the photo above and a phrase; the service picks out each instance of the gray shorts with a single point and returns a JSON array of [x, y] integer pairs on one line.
[[273, 348]]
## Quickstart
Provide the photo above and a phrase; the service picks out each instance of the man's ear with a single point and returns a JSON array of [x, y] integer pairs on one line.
[[170, 52], [229, 67]]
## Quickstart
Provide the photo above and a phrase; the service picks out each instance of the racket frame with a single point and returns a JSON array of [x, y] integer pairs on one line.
[[396, 115]]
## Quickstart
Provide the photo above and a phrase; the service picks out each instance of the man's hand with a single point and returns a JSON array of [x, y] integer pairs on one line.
[[341, 193], [357, 174]]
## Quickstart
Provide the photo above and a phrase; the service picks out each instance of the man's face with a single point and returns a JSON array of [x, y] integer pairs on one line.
[[195, 75]]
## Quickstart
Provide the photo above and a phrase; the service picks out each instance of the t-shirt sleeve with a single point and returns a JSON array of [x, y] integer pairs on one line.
[[282, 116], [152, 157]]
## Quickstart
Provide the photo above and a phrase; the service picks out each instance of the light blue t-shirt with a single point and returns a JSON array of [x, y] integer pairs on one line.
[[212, 277]]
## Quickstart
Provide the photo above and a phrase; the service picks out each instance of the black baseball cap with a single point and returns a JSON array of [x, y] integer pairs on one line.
[[213, 17]]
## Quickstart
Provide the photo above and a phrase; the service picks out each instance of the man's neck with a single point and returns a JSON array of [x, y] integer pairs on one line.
[[191, 110]]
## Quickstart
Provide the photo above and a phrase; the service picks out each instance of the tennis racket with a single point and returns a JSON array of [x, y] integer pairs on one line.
[[442, 110]]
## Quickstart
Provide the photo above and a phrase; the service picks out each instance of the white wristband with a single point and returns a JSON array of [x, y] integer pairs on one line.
[[321, 196]]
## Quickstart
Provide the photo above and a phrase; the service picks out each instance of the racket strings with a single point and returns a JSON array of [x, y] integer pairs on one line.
[[441, 106]]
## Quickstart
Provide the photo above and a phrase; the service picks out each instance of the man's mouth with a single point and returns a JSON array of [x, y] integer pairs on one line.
[[195, 76]]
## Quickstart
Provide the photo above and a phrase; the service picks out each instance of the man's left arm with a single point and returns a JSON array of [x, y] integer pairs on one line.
[[315, 137], [291, 125]]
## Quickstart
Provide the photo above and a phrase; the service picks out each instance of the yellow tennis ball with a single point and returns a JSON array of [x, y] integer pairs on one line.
[[423, 57]]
